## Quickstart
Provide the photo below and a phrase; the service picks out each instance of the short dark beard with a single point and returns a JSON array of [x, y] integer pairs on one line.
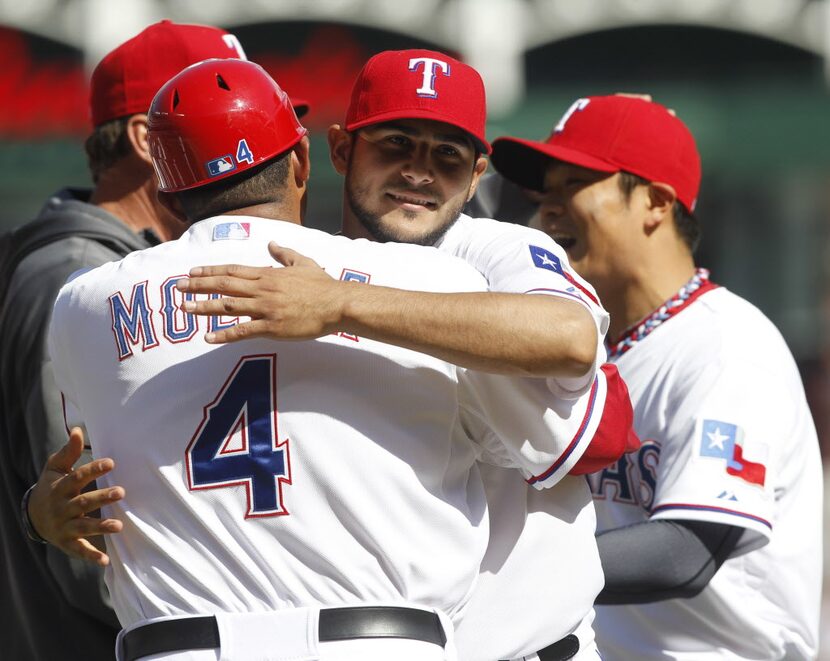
[[372, 223]]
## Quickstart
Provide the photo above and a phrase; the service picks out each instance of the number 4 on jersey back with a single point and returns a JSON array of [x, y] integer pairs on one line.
[[236, 442]]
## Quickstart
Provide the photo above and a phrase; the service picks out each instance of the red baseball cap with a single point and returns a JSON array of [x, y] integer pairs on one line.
[[127, 79], [419, 84], [609, 134]]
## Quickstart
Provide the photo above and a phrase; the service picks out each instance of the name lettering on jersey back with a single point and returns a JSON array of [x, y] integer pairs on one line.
[[134, 322], [632, 479], [135, 317]]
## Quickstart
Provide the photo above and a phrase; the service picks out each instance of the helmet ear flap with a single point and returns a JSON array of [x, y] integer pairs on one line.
[[218, 118]]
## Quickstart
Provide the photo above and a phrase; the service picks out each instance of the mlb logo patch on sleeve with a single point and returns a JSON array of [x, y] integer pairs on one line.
[[349, 275], [545, 259], [220, 165], [725, 441], [232, 231]]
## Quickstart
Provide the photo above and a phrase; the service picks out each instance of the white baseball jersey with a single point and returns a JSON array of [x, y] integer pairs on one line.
[[518, 259], [728, 438], [542, 572], [267, 475]]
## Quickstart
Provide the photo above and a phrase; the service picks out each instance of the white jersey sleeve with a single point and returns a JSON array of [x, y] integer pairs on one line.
[[518, 259], [723, 436], [727, 438], [714, 408], [60, 346], [517, 423]]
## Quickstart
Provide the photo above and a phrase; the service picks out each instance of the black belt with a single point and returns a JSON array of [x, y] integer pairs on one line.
[[199, 633], [561, 650]]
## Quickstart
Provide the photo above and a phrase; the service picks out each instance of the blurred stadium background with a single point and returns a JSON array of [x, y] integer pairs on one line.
[[750, 77]]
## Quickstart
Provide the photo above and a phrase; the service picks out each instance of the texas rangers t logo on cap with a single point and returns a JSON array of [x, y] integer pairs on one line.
[[431, 68], [233, 43], [579, 104]]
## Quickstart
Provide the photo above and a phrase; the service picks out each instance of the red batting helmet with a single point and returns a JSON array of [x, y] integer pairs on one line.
[[216, 119]]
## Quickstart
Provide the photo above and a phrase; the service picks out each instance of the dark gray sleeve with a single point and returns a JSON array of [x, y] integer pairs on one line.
[[39, 428], [662, 559]]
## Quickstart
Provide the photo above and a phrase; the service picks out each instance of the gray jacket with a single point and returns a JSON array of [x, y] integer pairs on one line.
[[51, 606]]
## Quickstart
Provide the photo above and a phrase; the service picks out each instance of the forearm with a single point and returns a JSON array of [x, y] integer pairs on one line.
[[660, 559], [516, 334], [530, 335]]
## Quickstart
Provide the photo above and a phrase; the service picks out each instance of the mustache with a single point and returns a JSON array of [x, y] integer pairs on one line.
[[415, 191]]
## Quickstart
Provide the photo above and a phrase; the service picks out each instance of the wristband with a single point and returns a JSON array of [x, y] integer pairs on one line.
[[31, 533]]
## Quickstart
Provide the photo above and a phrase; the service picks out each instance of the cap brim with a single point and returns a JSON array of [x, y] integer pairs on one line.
[[482, 145], [524, 161]]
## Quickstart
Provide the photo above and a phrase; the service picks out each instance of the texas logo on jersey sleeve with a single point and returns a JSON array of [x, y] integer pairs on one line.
[[725, 441], [545, 259]]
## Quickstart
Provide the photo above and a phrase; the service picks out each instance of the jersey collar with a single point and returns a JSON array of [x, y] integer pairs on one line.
[[698, 285]]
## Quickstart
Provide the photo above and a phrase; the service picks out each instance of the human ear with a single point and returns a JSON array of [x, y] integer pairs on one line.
[[340, 147], [661, 199], [479, 169], [137, 135], [301, 161]]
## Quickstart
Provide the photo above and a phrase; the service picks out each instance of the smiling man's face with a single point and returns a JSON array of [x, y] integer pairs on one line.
[[407, 180], [586, 212]]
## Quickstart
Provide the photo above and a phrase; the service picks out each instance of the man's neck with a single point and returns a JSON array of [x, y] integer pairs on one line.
[[636, 296], [127, 191], [271, 211], [133, 210], [350, 226]]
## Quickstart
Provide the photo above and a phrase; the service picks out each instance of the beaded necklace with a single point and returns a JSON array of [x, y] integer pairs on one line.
[[699, 284]]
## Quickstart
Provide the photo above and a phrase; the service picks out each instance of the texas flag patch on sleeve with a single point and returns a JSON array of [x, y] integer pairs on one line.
[[725, 441]]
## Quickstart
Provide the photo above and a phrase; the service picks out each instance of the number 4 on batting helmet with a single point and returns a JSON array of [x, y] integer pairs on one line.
[[215, 119]]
